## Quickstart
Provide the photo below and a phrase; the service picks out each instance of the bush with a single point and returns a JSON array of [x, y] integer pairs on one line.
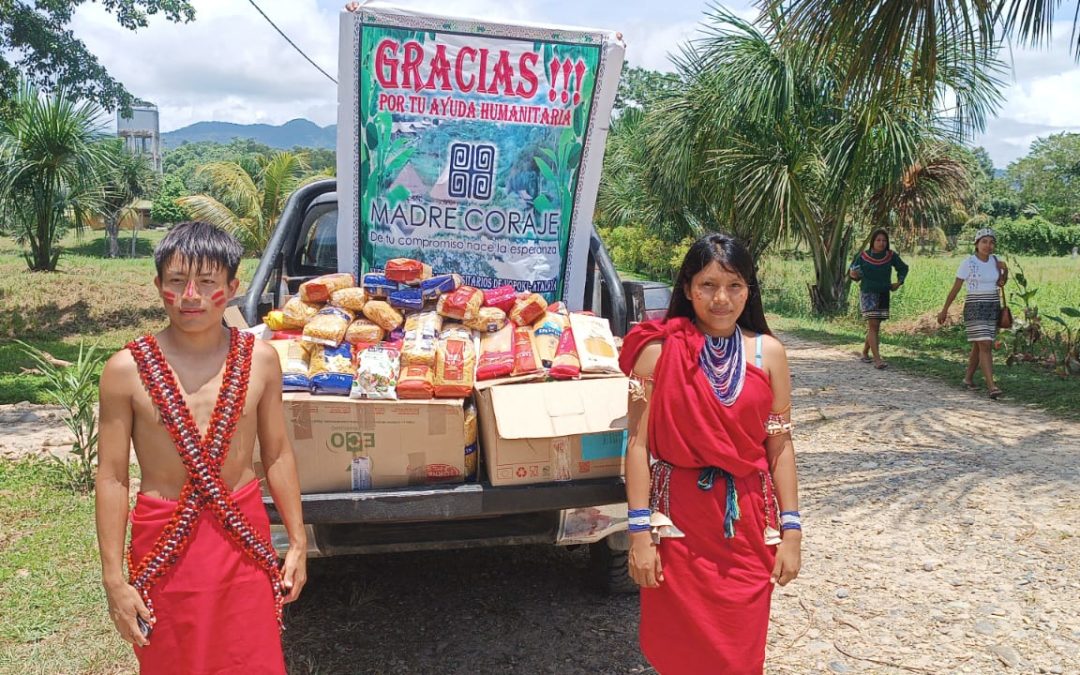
[[1033, 235]]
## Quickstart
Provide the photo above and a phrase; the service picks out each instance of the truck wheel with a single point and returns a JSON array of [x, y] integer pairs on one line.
[[608, 570]]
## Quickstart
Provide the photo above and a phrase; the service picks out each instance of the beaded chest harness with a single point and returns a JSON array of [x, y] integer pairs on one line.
[[203, 457]]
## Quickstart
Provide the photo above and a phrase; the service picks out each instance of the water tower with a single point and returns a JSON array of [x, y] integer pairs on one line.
[[140, 131]]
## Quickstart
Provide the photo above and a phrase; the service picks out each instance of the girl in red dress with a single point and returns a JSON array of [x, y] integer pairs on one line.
[[710, 469]]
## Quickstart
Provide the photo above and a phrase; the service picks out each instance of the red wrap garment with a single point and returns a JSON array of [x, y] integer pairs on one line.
[[204, 563], [711, 612]]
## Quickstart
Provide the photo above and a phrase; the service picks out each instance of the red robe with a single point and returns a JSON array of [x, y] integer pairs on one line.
[[711, 612]]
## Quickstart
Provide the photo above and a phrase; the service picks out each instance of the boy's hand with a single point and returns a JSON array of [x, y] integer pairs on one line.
[[124, 604], [295, 572]]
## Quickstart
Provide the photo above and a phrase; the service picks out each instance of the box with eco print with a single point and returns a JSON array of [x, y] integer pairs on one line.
[[473, 146]]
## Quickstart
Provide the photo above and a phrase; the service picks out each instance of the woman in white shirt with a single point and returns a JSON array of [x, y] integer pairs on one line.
[[983, 274]]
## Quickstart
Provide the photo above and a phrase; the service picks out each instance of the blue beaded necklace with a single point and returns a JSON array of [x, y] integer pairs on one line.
[[724, 364]]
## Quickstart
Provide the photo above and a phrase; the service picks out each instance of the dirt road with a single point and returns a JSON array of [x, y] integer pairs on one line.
[[941, 537]]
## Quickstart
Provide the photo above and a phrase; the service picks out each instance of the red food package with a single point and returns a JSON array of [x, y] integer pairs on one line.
[[416, 381], [528, 309], [502, 297], [558, 308], [407, 271], [286, 334], [567, 365], [319, 289], [496, 354], [462, 304], [526, 360]]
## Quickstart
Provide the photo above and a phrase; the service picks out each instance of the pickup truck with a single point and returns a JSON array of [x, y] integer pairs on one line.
[[582, 512]]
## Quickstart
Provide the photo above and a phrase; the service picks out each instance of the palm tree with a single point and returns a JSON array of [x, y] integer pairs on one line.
[[132, 177], [52, 169], [763, 139], [247, 196], [927, 192], [904, 43]]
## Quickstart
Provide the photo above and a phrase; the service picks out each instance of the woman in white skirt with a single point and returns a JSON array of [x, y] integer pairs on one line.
[[983, 274]]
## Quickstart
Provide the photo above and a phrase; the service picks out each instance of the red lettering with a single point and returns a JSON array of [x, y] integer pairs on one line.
[[464, 86], [527, 88], [483, 73], [386, 63], [440, 69], [504, 75], [410, 67]]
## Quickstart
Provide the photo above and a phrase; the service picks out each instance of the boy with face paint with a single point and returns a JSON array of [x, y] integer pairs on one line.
[[203, 591]]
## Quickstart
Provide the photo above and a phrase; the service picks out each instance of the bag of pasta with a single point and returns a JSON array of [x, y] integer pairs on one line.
[[383, 314], [595, 344], [502, 297], [526, 359], [421, 341], [417, 381], [455, 363], [331, 370], [566, 365], [436, 286], [472, 445], [462, 304], [319, 289], [293, 357], [547, 332], [407, 271], [528, 309], [352, 299], [496, 354], [377, 370], [487, 320], [296, 313], [378, 286], [328, 327], [364, 330]]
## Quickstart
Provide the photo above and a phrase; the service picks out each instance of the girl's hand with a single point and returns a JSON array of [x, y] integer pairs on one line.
[[895, 286], [788, 558], [644, 561], [942, 315]]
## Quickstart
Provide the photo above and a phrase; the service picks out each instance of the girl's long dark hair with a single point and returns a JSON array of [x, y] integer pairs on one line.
[[874, 236], [733, 256]]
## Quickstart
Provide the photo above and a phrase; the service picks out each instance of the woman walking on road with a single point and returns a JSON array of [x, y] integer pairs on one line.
[[711, 403], [984, 275], [873, 268]]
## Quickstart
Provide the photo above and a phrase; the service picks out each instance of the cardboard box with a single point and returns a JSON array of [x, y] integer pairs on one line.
[[344, 444], [551, 431]]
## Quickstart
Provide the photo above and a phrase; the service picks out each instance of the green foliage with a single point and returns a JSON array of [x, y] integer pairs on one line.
[[1049, 177], [1025, 236], [130, 177], [640, 87], [36, 44], [53, 170], [74, 388], [166, 209]]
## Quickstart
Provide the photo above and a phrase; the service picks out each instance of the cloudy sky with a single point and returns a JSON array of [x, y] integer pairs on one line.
[[229, 64]]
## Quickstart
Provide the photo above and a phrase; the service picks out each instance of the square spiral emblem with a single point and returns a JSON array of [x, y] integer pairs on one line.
[[472, 171]]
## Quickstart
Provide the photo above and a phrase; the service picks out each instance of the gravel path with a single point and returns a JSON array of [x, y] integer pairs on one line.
[[940, 538]]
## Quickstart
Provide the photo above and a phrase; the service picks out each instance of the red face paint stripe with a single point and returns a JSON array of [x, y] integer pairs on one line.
[[218, 298], [169, 296]]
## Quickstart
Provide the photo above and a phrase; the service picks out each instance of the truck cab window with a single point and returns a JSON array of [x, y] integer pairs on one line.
[[318, 252]]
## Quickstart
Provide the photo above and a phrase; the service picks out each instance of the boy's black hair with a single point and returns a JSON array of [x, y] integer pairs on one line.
[[203, 245]]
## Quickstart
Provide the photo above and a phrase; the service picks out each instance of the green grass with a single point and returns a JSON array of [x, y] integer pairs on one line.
[[55, 617], [89, 298], [911, 338]]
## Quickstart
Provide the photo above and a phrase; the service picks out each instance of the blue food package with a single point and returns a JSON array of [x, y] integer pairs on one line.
[[378, 286], [436, 286], [331, 370], [407, 298]]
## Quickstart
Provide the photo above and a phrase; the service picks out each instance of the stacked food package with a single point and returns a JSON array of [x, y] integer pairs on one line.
[[404, 333]]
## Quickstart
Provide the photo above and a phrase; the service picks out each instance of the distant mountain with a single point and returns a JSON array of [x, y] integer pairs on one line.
[[304, 133]]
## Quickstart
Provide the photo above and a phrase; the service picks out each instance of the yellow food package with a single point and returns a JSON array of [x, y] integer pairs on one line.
[[328, 326], [472, 446], [275, 320], [364, 331], [527, 309], [352, 299], [319, 289], [487, 320], [297, 313], [421, 340], [547, 332], [455, 363], [383, 314], [595, 344]]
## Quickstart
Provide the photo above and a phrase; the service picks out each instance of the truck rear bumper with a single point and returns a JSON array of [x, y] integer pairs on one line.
[[459, 516]]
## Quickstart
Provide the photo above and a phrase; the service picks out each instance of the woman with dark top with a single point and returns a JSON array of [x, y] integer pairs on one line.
[[984, 275], [714, 520], [873, 268]]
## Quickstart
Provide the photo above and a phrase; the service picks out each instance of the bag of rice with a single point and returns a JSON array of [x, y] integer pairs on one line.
[[328, 326], [595, 344], [417, 381], [496, 354], [421, 340], [525, 359], [528, 309], [407, 271], [383, 314], [407, 299], [377, 370], [462, 304], [487, 320], [547, 332], [352, 299], [436, 286], [297, 313], [566, 365], [378, 286], [331, 370], [502, 297], [293, 357], [320, 288], [364, 330], [472, 446], [455, 363]]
